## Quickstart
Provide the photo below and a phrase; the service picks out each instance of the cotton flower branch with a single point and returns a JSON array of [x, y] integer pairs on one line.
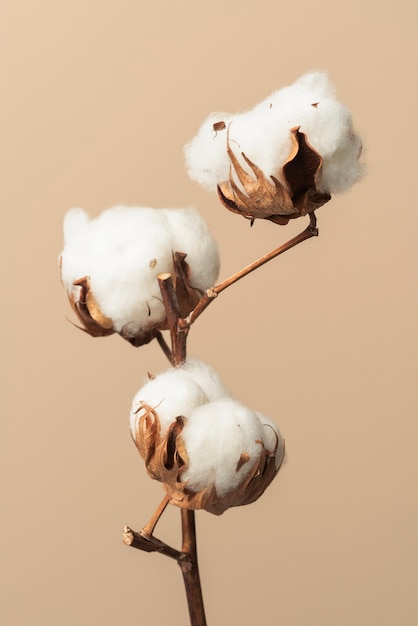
[[139, 272]]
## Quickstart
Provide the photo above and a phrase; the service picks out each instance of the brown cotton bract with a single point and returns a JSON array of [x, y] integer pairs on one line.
[[279, 202], [166, 458], [96, 324]]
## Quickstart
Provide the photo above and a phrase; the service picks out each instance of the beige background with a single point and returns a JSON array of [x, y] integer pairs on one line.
[[97, 100]]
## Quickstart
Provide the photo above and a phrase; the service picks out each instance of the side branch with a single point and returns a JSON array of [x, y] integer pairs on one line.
[[211, 294], [148, 543]]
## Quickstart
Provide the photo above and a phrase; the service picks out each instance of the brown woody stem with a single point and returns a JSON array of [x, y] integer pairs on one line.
[[144, 540], [210, 294], [178, 335], [148, 543], [190, 569], [148, 529]]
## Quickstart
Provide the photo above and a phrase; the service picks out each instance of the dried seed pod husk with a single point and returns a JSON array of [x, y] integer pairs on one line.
[[278, 201], [83, 303]]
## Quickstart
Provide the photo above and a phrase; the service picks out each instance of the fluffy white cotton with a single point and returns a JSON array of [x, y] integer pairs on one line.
[[216, 436], [206, 377], [178, 391], [219, 431], [77, 246], [124, 249], [171, 394], [190, 233], [263, 134]]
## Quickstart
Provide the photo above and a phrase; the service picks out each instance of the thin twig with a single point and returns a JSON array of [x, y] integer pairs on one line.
[[148, 529], [178, 336], [211, 294], [147, 543]]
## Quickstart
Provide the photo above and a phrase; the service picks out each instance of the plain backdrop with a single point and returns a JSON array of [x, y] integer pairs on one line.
[[97, 100]]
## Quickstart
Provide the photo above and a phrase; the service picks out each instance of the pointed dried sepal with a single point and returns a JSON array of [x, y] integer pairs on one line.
[[95, 323], [255, 197], [93, 320], [88, 311], [187, 296], [302, 171], [164, 456]]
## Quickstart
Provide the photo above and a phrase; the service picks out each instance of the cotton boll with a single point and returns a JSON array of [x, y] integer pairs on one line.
[[173, 393], [110, 267], [264, 135], [216, 436], [206, 377], [190, 235], [208, 450]]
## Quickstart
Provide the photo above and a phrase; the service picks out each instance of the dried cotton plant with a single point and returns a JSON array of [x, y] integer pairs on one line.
[[143, 272]]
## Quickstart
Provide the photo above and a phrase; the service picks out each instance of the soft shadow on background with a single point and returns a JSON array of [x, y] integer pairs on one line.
[[98, 99]]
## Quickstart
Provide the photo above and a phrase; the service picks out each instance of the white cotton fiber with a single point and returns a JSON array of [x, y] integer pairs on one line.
[[76, 245], [215, 436], [129, 249], [206, 377], [124, 249], [190, 233], [263, 134], [171, 394]]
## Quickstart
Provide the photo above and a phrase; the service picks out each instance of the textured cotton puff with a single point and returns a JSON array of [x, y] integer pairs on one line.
[[206, 377], [207, 449], [172, 394], [124, 249], [216, 437], [178, 391], [190, 233], [263, 134]]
